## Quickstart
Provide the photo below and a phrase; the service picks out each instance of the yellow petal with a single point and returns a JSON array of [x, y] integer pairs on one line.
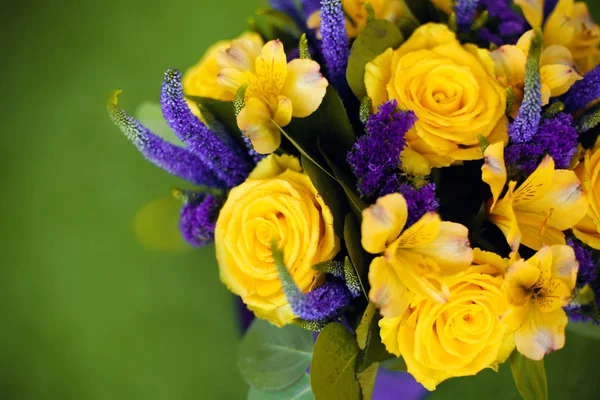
[[557, 29], [271, 66], [422, 232], [283, 115], [556, 54], [377, 75], [509, 63], [387, 291], [419, 274], [537, 184], [388, 332], [414, 163], [503, 216], [587, 231], [554, 295], [274, 165], [541, 333], [493, 171], [558, 78], [255, 121], [304, 86], [520, 278], [450, 249], [533, 11], [382, 222], [564, 265], [498, 264]]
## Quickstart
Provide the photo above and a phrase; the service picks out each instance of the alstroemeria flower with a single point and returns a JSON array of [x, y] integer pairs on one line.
[[570, 25], [412, 259], [537, 289], [557, 69], [276, 92], [548, 202], [588, 229]]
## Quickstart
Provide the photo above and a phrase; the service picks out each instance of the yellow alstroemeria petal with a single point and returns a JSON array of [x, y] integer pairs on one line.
[[283, 114], [231, 79], [555, 296], [493, 171], [255, 121], [271, 67], [422, 232], [519, 281], [388, 291], [450, 249], [558, 78], [564, 202], [503, 216], [540, 333], [537, 184], [557, 30], [304, 86], [419, 274], [588, 232], [482, 257], [564, 265], [509, 63], [382, 222], [533, 11], [556, 54], [536, 232]]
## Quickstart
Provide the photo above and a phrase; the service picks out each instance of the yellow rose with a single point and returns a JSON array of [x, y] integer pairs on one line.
[[451, 88], [277, 202], [459, 337], [588, 229]]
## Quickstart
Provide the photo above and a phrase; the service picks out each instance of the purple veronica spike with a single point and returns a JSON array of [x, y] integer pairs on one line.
[[530, 113], [216, 149], [173, 159], [324, 302], [419, 201], [465, 12], [375, 157], [583, 91], [556, 137], [198, 219], [335, 41]]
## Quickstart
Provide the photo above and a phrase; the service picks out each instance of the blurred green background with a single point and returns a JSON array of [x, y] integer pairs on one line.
[[86, 312]]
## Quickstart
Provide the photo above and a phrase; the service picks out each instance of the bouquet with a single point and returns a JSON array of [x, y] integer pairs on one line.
[[417, 181]]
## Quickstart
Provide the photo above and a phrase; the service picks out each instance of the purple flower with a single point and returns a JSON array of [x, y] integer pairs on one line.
[[556, 137], [375, 157], [507, 25], [465, 12], [218, 150], [530, 113], [173, 159], [335, 41], [310, 6], [324, 302], [586, 275], [583, 91], [419, 201], [198, 219]]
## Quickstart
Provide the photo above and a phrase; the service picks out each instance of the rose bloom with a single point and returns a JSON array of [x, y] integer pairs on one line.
[[459, 337], [588, 229], [277, 203], [451, 88]]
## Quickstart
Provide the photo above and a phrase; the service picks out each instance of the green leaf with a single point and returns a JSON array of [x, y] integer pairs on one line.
[[360, 259], [374, 39], [300, 390], [272, 358], [330, 122], [150, 115], [585, 329], [217, 111], [369, 340], [332, 369], [529, 376], [272, 24], [329, 189], [348, 184], [395, 364], [366, 380]]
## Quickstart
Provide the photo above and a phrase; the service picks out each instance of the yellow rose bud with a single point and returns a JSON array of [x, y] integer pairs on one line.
[[451, 88], [588, 229], [277, 202], [457, 338]]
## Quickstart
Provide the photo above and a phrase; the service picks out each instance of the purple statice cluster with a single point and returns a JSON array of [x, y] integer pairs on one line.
[[419, 201], [586, 275], [335, 48], [555, 137], [505, 25], [210, 159], [583, 91], [375, 157]]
